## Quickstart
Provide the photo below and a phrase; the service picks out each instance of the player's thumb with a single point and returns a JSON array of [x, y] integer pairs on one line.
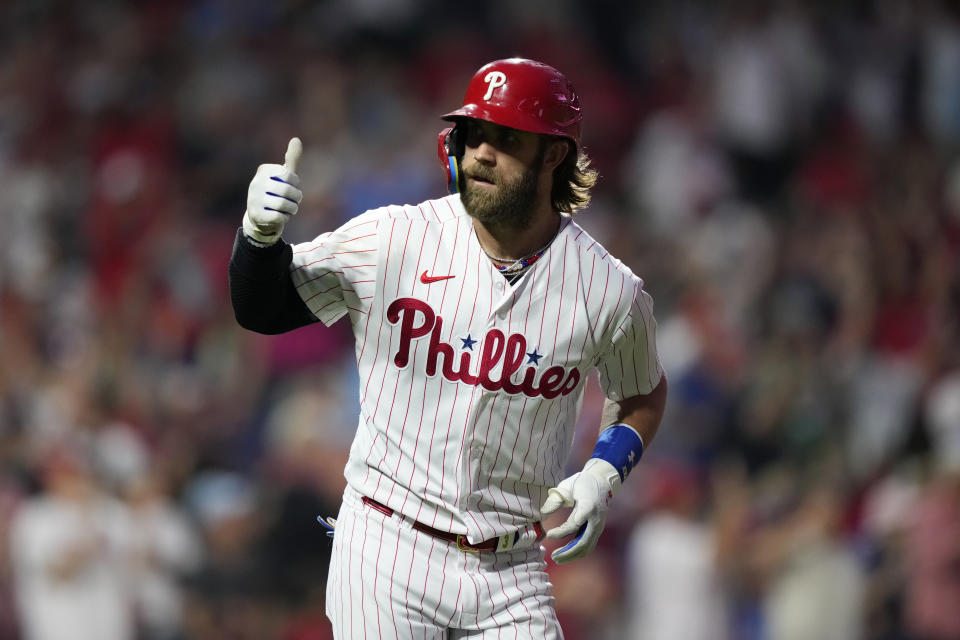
[[292, 157], [555, 500], [577, 519]]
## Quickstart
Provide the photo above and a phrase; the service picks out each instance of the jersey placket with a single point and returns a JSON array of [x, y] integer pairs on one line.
[[485, 418], [500, 297]]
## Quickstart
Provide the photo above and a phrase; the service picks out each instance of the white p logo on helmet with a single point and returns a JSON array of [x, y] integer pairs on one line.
[[494, 79]]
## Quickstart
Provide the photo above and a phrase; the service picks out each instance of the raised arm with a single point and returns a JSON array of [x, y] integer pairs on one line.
[[264, 297]]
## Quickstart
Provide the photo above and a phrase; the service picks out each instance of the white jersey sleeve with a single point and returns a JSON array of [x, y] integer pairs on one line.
[[335, 273], [631, 367]]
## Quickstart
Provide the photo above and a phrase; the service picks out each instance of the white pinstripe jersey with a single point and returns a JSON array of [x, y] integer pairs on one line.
[[470, 387]]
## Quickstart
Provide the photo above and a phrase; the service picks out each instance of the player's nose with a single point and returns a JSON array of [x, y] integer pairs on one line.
[[485, 153]]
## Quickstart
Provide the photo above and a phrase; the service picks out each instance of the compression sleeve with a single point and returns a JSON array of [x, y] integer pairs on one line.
[[263, 295]]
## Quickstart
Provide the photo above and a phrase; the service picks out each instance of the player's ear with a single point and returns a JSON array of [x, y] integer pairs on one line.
[[557, 149]]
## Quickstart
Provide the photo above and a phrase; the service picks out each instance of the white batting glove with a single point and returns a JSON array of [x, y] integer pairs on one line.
[[589, 492], [274, 195]]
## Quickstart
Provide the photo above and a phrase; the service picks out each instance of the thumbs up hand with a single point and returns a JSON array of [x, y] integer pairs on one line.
[[273, 196]]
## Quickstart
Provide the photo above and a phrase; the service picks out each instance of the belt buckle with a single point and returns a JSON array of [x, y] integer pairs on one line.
[[462, 544]]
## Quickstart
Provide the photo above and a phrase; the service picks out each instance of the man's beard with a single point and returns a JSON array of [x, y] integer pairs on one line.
[[510, 206]]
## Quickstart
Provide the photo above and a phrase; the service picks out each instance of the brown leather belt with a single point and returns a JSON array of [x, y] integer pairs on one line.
[[456, 538]]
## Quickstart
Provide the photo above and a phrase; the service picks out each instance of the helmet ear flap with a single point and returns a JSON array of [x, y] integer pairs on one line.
[[449, 149]]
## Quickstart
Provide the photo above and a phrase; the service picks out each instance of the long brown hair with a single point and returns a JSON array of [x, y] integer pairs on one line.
[[572, 180]]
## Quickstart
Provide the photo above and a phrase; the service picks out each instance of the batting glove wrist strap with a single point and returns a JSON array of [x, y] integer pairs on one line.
[[620, 446], [256, 237]]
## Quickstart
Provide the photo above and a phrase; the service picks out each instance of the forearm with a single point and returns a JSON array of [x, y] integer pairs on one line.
[[643, 413], [262, 293]]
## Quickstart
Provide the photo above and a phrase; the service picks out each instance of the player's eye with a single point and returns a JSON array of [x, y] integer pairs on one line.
[[474, 135], [509, 139]]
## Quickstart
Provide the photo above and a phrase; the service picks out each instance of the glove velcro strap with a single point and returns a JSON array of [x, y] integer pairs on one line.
[[621, 446], [256, 236]]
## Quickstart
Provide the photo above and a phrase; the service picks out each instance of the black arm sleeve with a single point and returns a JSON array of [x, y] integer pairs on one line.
[[262, 293]]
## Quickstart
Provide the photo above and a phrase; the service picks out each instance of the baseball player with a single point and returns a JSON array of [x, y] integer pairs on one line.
[[477, 318]]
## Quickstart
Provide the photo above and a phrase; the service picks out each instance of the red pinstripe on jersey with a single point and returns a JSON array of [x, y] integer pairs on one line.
[[362, 581], [472, 447]]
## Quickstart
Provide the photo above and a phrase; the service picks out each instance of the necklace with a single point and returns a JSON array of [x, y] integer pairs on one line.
[[518, 265]]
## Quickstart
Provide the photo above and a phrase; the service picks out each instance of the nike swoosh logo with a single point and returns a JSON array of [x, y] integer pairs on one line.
[[425, 279]]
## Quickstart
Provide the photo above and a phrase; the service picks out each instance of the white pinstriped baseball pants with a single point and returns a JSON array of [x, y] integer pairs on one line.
[[388, 580]]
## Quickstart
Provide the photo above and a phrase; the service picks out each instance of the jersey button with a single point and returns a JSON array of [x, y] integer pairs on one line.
[[499, 286]]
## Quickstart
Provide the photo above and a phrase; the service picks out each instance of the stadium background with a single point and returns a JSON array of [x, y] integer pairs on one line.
[[784, 176]]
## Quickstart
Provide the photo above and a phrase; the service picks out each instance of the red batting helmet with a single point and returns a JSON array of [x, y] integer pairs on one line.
[[523, 94]]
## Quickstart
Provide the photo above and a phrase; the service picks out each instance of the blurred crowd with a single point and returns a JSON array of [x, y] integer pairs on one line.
[[785, 176]]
